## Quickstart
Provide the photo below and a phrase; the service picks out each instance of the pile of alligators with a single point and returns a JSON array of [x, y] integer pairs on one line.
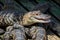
[[23, 26]]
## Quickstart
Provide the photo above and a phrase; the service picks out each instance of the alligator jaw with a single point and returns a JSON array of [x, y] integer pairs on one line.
[[37, 20]]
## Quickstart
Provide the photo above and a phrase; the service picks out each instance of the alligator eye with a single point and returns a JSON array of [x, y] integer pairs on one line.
[[37, 14]]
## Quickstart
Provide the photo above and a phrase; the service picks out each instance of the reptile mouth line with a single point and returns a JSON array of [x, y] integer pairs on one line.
[[41, 19]]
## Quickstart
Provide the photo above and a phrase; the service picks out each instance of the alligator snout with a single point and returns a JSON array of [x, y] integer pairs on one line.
[[43, 17]]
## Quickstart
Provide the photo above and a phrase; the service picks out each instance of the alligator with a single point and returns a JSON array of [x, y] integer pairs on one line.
[[9, 18], [32, 18], [28, 18]]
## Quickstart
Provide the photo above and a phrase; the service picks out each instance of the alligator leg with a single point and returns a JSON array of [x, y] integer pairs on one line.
[[38, 33]]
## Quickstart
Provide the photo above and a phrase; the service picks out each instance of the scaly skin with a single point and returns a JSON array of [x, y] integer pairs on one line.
[[38, 33], [18, 33], [7, 18], [29, 19]]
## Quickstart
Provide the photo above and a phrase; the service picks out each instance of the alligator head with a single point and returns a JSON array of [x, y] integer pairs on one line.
[[35, 17]]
